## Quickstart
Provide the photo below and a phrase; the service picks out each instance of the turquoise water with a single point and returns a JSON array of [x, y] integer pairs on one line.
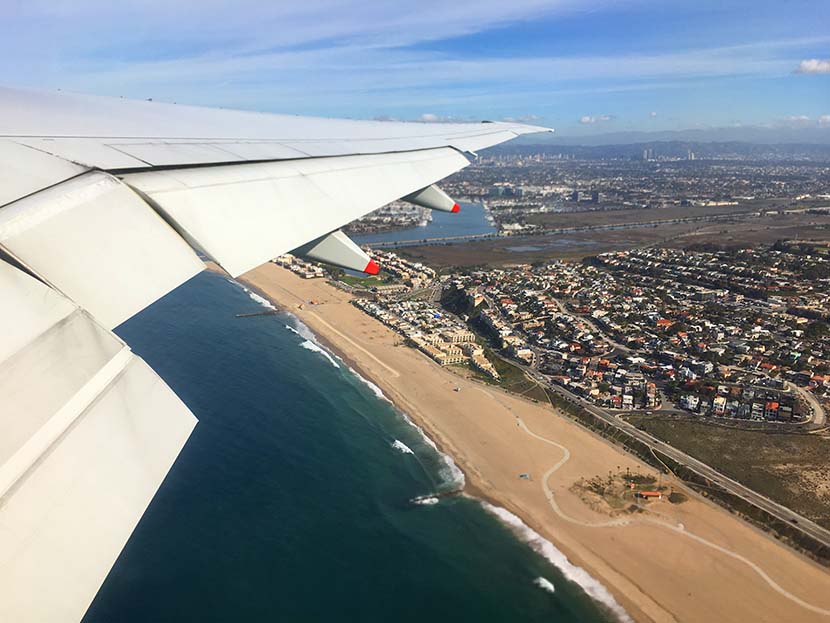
[[291, 501]]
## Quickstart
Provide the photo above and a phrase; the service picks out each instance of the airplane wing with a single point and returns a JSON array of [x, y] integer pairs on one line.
[[104, 204]]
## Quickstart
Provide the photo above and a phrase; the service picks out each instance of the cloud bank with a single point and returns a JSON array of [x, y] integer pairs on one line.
[[590, 120], [814, 66]]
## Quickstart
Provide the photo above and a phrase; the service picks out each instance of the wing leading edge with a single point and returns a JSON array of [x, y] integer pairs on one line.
[[103, 205]]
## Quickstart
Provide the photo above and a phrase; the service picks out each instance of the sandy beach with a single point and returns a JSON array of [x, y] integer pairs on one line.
[[676, 562]]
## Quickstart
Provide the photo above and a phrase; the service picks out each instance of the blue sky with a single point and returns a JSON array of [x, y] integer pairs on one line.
[[588, 67]]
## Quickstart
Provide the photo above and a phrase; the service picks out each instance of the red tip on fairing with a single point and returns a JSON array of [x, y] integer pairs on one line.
[[455, 208], [372, 268]]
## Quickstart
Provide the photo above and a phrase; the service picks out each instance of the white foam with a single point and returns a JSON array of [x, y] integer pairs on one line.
[[402, 447], [578, 575], [261, 300], [254, 296], [377, 391], [310, 342], [545, 584], [301, 329], [309, 345], [450, 472], [430, 501]]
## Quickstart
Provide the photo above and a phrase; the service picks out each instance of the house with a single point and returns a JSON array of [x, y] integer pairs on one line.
[[649, 495]]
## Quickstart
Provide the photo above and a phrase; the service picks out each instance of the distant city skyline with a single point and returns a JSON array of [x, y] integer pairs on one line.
[[587, 68]]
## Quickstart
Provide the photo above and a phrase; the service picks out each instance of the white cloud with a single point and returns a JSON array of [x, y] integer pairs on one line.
[[590, 120], [824, 121], [429, 117], [814, 66], [798, 119], [652, 114], [522, 119], [334, 58]]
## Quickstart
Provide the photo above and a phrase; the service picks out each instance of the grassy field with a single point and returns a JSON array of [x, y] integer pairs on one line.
[[525, 249], [766, 230], [637, 215], [576, 245], [792, 469], [514, 379], [361, 282]]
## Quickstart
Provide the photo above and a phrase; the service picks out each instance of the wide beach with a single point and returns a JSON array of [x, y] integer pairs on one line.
[[686, 562]]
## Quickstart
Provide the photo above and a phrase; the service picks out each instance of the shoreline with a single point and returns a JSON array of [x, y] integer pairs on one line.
[[520, 526], [612, 570], [526, 532]]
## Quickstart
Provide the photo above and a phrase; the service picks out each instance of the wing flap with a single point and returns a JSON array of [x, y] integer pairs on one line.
[[178, 154], [85, 152], [100, 244], [65, 523], [24, 170], [89, 432]]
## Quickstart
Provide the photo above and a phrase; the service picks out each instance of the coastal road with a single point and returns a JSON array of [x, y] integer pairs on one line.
[[812, 529]]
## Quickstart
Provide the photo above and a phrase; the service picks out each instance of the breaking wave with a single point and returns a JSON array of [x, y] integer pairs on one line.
[[430, 501], [309, 345], [578, 575], [310, 342], [450, 473], [301, 329], [545, 584], [261, 300], [264, 302], [377, 391], [402, 447]]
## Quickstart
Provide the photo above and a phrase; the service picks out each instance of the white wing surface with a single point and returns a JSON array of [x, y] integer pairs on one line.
[[103, 205]]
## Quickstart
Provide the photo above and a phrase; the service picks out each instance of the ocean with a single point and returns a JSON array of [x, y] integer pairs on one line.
[[292, 501]]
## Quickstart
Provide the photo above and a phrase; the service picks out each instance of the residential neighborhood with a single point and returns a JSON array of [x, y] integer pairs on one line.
[[740, 336]]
